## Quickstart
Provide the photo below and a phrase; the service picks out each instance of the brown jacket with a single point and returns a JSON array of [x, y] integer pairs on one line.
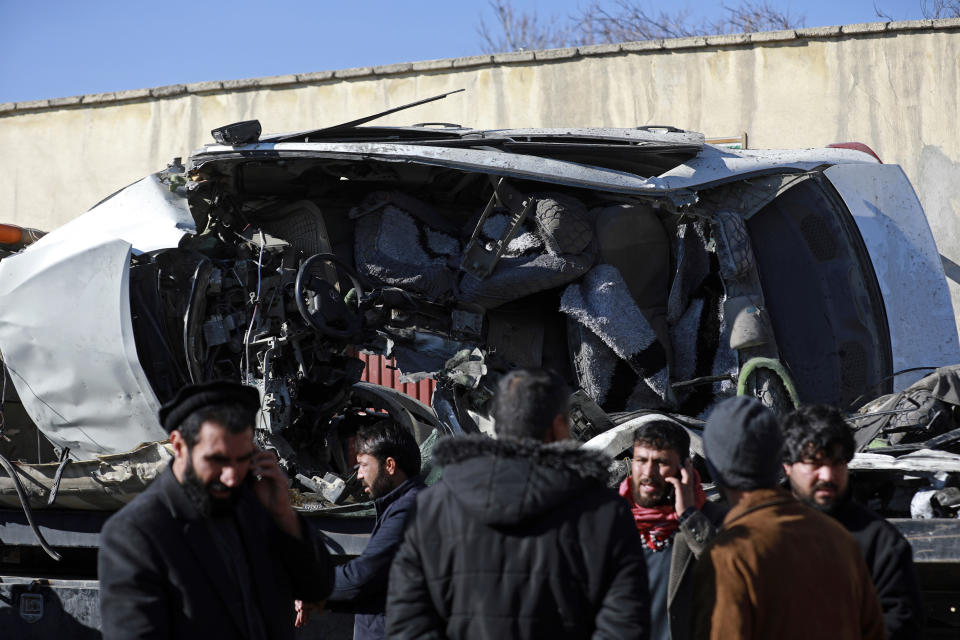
[[779, 569]]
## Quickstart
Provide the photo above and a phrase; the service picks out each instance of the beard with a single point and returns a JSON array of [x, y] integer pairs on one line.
[[825, 507], [661, 498], [380, 486], [199, 494]]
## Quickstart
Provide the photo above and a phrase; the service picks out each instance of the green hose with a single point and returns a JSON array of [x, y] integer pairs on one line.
[[773, 365]]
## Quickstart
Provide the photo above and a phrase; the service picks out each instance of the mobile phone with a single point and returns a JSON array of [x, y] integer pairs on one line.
[[671, 494]]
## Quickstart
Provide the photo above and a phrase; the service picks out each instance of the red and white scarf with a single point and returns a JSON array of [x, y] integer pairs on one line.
[[658, 524]]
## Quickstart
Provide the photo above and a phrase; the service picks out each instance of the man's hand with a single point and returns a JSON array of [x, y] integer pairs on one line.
[[683, 488], [270, 486], [304, 609]]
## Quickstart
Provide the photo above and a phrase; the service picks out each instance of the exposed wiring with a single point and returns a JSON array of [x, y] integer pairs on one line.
[[3, 399], [256, 307], [246, 341], [237, 276], [703, 380], [889, 377], [147, 313], [27, 511], [263, 243]]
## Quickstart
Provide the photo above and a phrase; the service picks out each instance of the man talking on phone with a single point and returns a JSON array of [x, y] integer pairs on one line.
[[212, 548], [674, 518]]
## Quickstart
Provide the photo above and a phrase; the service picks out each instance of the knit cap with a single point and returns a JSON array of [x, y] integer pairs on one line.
[[742, 443]]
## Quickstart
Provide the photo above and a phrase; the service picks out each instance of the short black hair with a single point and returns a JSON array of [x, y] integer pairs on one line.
[[813, 429], [386, 439], [662, 435], [527, 401], [235, 418]]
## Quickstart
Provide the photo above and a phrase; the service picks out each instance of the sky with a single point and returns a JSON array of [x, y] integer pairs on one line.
[[59, 48]]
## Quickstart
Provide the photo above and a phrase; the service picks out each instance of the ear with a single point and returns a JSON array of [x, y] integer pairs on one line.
[[560, 428], [179, 444], [786, 469], [390, 466], [181, 453]]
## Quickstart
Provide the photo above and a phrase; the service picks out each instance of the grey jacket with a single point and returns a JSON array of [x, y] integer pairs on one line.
[[689, 542]]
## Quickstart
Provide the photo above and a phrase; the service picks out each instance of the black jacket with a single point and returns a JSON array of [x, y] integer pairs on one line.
[[362, 582], [162, 574], [519, 540], [890, 560]]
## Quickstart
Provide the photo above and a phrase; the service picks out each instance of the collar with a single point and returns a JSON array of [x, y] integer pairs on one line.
[[565, 456], [758, 499], [381, 503], [181, 507]]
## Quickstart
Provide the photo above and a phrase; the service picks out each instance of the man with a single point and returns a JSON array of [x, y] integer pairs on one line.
[[388, 463], [212, 548], [776, 569], [819, 444], [674, 518], [520, 538]]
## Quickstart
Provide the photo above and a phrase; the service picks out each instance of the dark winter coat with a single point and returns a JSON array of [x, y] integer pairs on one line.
[[519, 540], [162, 574], [362, 582], [889, 558]]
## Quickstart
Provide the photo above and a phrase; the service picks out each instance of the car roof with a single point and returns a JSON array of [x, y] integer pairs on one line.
[[666, 162]]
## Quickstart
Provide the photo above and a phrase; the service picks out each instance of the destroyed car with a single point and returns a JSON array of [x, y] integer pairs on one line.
[[656, 272]]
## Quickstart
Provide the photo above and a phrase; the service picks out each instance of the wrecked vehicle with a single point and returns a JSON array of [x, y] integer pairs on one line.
[[656, 272]]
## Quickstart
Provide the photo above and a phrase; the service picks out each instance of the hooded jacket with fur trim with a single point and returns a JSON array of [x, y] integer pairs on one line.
[[519, 540]]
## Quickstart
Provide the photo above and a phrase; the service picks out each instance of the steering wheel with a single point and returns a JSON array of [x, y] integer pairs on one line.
[[332, 317]]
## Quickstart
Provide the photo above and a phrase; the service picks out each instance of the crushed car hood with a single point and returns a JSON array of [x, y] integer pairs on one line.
[[70, 350]]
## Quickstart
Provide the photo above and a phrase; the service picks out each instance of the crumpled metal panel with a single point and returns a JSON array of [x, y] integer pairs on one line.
[[891, 221], [102, 484], [924, 461], [66, 336], [715, 165], [619, 439], [146, 214]]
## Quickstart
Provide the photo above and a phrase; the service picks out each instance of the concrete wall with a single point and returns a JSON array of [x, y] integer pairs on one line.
[[893, 86]]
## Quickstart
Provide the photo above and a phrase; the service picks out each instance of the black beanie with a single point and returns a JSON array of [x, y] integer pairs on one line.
[[196, 396], [742, 442]]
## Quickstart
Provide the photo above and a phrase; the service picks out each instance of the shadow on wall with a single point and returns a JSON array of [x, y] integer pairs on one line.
[[30, 611], [951, 268]]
